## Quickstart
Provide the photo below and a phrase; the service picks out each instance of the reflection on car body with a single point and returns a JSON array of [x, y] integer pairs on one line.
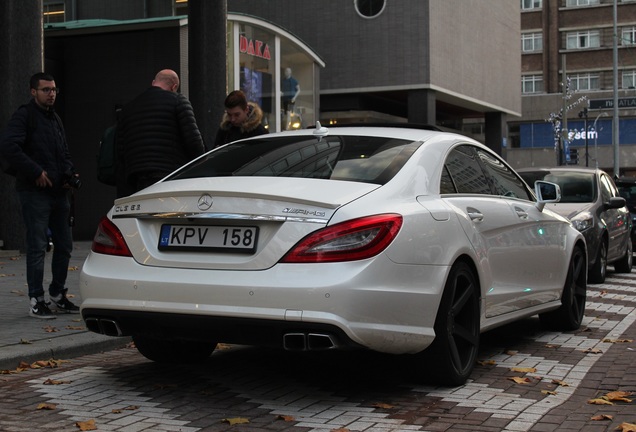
[[396, 239]]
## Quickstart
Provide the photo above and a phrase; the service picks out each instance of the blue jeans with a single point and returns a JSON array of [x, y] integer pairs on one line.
[[43, 210]]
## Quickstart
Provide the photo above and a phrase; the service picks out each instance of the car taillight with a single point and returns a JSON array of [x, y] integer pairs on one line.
[[347, 241], [109, 241]]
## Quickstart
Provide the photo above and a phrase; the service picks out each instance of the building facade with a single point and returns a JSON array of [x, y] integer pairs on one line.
[[567, 51]]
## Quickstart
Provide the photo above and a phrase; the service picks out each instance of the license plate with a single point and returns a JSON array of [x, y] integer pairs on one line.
[[205, 237]]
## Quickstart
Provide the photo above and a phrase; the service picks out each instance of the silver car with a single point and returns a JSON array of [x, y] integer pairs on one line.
[[395, 239], [590, 199]]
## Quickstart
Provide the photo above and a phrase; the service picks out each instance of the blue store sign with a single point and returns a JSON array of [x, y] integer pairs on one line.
[[542, 134]]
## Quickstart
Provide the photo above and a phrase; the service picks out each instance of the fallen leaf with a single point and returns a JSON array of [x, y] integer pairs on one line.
[[561, 383], [87, 425], [50, 329], [25, 342], [619, 396], [6, 275], [68, 327], [511, 353], [626, 427], [487, 362], [523, 369], [520, 380], [593, 351], [382, 405], [548, 392], [73, 268], [602, 417], [55, 382], [618, 340], [599, 401], [552, 346], [46, 406], [287, 418], [18, 292], [236, 420], [603, 293], [128, 408], [342, 429]]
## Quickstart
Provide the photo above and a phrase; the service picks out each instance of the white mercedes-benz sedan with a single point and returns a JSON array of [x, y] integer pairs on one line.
[[403, 240]]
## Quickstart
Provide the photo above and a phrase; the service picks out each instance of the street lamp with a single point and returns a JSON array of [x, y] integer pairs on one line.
[[583, 114], [596, 137]]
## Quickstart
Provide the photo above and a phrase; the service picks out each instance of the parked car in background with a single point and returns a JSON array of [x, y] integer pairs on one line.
[[627, 189], [401, 240], [590, 199]]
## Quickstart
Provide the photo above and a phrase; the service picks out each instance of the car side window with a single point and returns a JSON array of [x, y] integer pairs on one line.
[[464, 172], [504, 180]]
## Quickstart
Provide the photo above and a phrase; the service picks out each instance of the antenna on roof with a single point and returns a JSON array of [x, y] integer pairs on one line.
[[320, 131]]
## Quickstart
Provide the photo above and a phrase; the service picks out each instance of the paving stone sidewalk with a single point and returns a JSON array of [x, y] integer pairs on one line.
[[24, 338]]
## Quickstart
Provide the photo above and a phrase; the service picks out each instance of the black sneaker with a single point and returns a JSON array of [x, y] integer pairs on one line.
[[62, 304], [39, 309]]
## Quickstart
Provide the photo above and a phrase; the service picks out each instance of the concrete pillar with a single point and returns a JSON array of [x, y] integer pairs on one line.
[[496, 131], [421, 107], [207, 36], [21, 55]]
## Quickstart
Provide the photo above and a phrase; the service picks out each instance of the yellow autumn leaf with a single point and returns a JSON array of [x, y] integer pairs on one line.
[[618, 340], [73, 268], [523, 369], [600, 417], [383, 405], [236, 420], [486, 362], [88, 425], [552, 346], [46, 406], [599, 401], [593, 351], [68, 327], [548, 392], [618, 396], [55, 382], [286, 418], [560, 383], [519, 380], [626, 427]]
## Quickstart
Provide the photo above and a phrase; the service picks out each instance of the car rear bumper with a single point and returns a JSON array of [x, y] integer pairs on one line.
[[375, 304]]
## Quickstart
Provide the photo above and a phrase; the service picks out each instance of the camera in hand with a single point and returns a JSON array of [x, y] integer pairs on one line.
[[72, 180]]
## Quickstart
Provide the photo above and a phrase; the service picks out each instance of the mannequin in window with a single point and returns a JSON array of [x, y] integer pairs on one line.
[[290, 89]]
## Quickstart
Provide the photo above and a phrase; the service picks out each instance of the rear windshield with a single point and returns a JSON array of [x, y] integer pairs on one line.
[[576, 187], [352, 158]]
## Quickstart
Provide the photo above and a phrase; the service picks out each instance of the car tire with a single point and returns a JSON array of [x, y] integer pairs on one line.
[[451, 357], [624, 265], [173, 351], [599, 269], [570, 315]]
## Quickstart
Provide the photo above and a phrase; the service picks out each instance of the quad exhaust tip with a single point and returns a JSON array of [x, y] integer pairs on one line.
[[308, 342]]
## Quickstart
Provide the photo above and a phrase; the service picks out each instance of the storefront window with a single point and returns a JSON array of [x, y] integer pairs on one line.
[[256, 64], [296, 86]]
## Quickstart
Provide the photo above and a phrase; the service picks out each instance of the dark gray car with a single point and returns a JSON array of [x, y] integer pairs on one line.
[[590, 199]]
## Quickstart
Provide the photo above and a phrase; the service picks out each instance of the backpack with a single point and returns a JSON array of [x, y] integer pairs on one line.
[[107, 157]]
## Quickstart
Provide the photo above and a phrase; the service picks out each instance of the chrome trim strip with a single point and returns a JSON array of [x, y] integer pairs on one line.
[[232, 216]]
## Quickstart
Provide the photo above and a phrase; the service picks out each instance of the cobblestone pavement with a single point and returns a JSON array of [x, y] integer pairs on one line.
[[277, 391]]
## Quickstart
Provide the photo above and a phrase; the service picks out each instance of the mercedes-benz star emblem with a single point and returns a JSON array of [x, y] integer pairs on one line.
[[205, 202]]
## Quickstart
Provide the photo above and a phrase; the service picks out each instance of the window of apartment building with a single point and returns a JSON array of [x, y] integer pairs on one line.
[[573, 3], [583, 82], [583, 39], [629, 36], [531, 42], [530, 4], [180, 7], [629, 79], [531, 84], [53, 12]]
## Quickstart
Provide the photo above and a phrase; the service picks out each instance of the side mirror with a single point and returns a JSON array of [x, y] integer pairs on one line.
[[616, 202], [546, 192]]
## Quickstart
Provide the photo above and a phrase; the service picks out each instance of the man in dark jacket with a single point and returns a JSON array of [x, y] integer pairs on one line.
[[242, 119], [156, 134], [34, 144]]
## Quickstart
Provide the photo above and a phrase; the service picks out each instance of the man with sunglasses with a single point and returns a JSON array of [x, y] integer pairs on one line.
[[34, 145]]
